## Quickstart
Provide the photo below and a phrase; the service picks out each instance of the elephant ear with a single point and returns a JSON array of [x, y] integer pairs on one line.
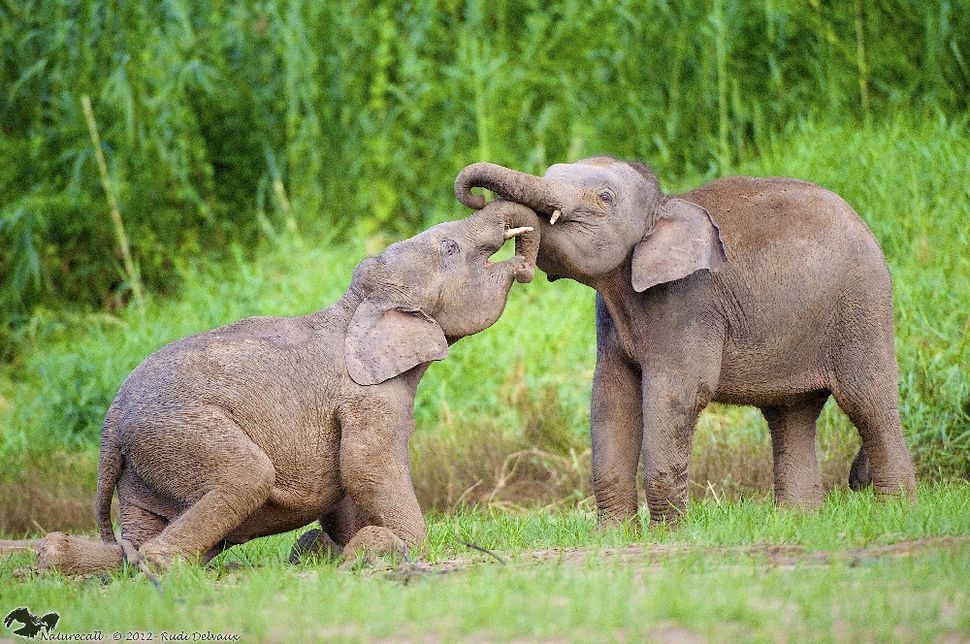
[[684, 240], [385, 341]]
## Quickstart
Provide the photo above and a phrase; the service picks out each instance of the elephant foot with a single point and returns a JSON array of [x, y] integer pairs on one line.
[[901, 486], [159, 556], [808, 502], [609, 522], [860, 474], [669, 513], [76, 556], [314, 543], [668, 509], [369, 545]]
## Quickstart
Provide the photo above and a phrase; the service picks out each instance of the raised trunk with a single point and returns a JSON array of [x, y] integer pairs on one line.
[[538, 193], [509, 216]]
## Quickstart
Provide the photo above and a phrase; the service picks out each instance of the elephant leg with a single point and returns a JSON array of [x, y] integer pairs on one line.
[[616, 425], [375, 470], [860, 473], [343, 522], [337, 528], [670, 409], [866, 389], [884, 459], [237, 480], [138, 525], [77, 556], [314, 543], [798, 481]]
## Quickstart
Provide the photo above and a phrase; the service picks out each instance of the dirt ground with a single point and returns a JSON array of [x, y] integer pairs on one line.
[[769, 555]]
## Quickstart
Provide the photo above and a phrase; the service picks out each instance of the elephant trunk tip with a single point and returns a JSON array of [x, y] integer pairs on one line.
[[464, 182]]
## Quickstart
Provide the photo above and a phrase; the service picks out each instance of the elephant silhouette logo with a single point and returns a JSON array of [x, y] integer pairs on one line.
[[32, 624]]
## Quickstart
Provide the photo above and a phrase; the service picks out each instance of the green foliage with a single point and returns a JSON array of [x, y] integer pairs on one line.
[[225, 122]]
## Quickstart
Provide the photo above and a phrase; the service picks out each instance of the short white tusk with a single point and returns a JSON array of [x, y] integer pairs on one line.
[[555, 217], [515, 232]]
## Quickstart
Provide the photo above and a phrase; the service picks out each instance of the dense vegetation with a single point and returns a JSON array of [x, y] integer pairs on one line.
[[228, 123], [258, 150]]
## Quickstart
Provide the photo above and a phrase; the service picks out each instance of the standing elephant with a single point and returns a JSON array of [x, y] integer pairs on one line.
[[271, 423], [769, 292]]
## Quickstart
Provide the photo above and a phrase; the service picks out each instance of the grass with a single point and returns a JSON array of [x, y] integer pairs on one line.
[[704, 590]]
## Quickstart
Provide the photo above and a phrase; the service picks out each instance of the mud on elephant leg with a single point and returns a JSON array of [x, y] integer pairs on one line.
[[139, 525], [616, 425], [371, 543], [76, 556], [668, 436], [238, 487], [798, 480]]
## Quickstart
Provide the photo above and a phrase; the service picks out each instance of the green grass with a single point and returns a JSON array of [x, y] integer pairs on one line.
[[717, 594]]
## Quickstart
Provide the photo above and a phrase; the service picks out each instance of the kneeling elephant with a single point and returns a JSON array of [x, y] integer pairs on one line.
[[271, 423]]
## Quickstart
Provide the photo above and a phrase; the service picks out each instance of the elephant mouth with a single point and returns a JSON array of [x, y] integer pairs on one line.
[[510, 233]]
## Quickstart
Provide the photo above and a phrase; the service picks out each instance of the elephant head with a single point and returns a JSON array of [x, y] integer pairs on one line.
[[596, 212], [424, 293]]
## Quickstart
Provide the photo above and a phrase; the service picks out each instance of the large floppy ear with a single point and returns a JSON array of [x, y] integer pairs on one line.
[[684, 240], [385, 341]]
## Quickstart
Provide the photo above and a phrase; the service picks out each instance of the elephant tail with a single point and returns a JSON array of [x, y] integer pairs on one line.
[[109, 471]]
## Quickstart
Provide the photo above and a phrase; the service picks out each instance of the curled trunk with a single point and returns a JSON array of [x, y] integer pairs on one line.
[[517, 221], [538, 193]]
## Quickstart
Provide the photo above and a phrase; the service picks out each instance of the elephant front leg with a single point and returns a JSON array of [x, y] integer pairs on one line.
[[616, 425], [337, 528], [670, 408], [375, 472]]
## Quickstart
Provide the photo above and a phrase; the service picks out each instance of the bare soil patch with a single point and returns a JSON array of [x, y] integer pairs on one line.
[[770, 555]]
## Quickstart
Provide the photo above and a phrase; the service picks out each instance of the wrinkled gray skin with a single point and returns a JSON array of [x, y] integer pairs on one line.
[[768, 292], [269, 424]]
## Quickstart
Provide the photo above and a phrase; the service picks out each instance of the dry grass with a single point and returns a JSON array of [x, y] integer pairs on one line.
[[56, 494], [541, 465]]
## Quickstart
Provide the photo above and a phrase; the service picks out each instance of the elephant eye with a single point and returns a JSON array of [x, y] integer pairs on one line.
[[449, 247], [606, 198]]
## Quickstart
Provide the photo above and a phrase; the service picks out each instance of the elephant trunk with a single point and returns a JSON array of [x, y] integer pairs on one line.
[[517, 221], [538, 193]]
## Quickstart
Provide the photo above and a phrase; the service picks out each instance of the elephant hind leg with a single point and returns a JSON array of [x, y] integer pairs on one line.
[[866, 389], [230, 479], [883, 459], [77, 556], [139, 525], [798, 481]]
